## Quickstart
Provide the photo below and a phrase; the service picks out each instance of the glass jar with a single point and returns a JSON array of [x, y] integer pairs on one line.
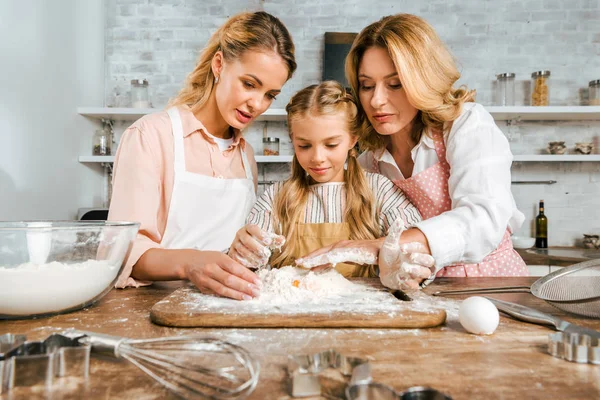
[[540, 88], [505, 89], [271, 146], [102, 142], [139, 93], [594, 93]]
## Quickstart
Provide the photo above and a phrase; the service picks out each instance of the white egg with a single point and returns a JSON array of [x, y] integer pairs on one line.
[[478, 315]]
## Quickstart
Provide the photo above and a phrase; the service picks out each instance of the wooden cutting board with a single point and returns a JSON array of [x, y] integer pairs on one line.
[[187, 307]]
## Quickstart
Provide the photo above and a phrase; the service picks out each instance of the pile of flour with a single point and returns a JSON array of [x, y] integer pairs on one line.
[[44, 288], [290, 285], [291, 291]]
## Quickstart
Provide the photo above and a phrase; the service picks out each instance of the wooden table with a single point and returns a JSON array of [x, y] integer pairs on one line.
[[511, 364]]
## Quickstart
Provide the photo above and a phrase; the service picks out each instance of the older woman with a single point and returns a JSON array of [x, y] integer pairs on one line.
[[442, 149]]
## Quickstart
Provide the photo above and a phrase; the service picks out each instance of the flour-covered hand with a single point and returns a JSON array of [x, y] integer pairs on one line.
[[252, 246], [403, 266], [358, 252]]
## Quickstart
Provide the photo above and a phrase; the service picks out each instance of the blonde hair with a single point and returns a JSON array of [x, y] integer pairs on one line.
[[327, 98], [241, 33], [426, 67]]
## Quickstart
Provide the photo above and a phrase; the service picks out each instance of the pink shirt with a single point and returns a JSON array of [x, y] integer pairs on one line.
[[143, 175]]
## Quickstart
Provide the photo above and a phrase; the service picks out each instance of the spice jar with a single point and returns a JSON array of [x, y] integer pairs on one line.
[[540, 89], [505, 89], [102, 142], [594, 93], [271, 146], [139, 93]]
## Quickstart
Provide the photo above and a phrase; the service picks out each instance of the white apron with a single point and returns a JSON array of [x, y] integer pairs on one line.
[[205, 212]]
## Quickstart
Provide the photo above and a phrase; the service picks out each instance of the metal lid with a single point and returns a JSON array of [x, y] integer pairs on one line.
[[139, 82], [595, 82], [270, 140], [506, 75], [538, 74]]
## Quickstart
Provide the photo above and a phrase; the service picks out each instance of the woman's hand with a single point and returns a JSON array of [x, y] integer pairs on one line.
[[214, 272], [251, 246], [403, 265], [211, 271]]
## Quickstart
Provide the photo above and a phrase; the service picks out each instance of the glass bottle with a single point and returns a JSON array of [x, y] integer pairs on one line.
[[505, 89], [540, 88], [594, 93], [271, 146], [139, 93], [102, 142], [541, 228]]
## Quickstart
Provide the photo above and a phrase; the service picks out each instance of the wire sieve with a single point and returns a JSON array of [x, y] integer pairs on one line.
[[574, 289]]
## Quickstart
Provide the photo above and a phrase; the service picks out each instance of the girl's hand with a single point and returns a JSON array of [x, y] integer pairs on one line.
[[251, 246], [215, 273], [347, 251]]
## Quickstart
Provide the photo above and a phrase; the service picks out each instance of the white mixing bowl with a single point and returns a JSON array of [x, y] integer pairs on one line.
[[51, 267]]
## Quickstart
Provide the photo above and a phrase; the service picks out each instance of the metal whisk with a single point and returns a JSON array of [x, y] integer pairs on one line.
[[191, 366]]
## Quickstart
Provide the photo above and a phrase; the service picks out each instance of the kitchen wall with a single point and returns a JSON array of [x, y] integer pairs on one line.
[[160, 40], [52, 60]]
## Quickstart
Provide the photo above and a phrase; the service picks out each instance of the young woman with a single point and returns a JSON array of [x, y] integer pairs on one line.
[[324, 202], [187, 174], [444, 151]]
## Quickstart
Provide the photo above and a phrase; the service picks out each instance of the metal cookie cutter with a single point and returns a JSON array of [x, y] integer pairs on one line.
[[25, 363], [325, 373], [574, 347], [378, 391]]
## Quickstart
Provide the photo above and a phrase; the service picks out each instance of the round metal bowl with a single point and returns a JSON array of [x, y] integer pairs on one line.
[[52, 267]]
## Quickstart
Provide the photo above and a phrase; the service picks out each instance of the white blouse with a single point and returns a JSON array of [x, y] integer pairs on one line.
[[479, 186]]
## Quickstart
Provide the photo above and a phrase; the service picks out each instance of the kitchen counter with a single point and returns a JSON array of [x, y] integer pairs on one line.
[[557, 256], [510, 364]]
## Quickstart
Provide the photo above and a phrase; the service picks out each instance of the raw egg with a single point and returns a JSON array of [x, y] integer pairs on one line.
[[478, 315]]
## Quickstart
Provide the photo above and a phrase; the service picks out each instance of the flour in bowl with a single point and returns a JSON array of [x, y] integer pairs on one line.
[[44, 288]]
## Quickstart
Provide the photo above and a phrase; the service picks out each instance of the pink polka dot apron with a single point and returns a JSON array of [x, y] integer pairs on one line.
[[428, 191]]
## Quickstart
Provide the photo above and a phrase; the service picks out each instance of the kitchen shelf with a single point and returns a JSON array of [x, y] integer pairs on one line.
[[500, 113], [96, 159], [132, 114], [274, 159], [556, 158], [259, 159], [553, 113], [288, 158]]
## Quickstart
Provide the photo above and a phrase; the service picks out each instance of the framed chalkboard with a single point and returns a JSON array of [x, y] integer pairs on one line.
[[337, 46]]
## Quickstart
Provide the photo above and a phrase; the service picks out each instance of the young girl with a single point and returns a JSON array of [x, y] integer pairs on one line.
[[323, 202]]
